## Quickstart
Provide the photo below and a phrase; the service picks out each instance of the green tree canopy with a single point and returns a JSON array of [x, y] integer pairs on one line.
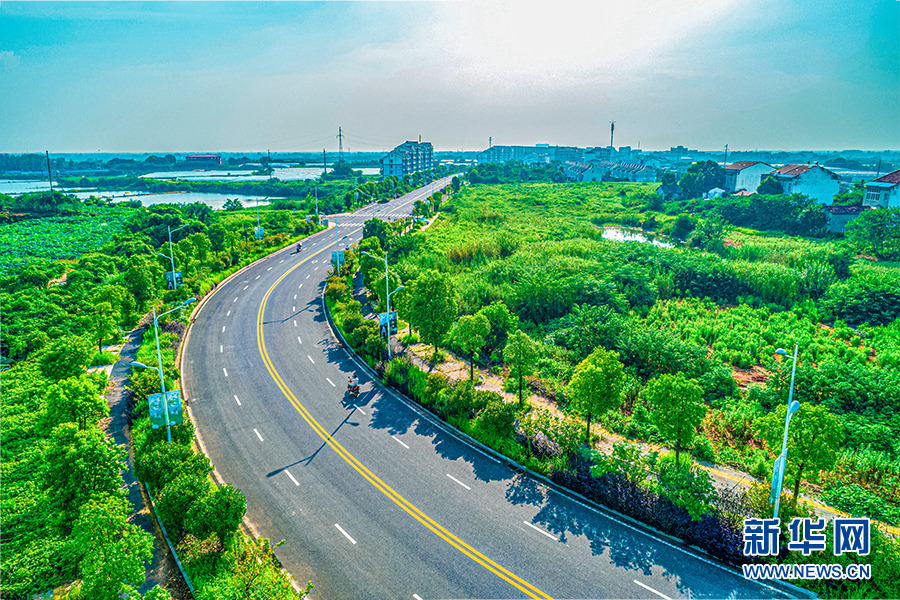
[[75, 400], [678, 408], [66, 357], [113, 551], [80, 465], [814, 438], [469, 335], [521, 354], [433, 305], [502, 323], [877, 231], [220, 513], [596, 385]]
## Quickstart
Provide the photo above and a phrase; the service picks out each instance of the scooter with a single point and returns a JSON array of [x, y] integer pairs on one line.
[[354, 390], [299, 247]]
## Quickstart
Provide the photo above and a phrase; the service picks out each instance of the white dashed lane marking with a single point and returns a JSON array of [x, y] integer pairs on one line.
[[401, 443], [539, 530], [292, 477], [310, 359], [330, 381], [238, 401], [257, 435], [346, 535], [458, 481]]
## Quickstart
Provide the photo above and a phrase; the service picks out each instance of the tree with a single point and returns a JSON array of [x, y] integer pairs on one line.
[[814, 438], [710, 231], [678, 408], [379, 229], [113, 551], [683, 226], [80, 465], [220, 513], [217, 234], [75, 400], [521, 355], [469, 335], [877, 231], [233, 204], [770, 187], [502, 322], [433, 306], [701, 177], [455, 183], [596, 385], [66, 357], [104, 321]]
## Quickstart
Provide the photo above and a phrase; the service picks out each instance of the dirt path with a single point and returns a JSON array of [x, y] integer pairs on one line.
[[162, 569]]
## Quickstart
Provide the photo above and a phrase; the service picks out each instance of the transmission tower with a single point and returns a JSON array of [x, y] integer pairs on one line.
[[340, 137], [612, 129]]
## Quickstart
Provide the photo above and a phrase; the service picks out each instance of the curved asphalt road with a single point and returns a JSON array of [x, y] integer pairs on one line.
[[373, 499]]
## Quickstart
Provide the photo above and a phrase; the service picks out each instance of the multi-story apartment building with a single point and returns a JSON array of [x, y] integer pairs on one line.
[[407, 158]]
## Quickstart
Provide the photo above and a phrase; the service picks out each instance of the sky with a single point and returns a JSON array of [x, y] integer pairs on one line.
[[284, 76]]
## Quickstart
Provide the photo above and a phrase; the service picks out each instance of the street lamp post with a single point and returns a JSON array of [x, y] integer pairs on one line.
[[782, 460], [171, 256], [162, 380], [370, 196], [387, 288]]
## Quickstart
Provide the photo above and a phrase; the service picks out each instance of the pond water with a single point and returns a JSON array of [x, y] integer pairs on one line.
[[215, 201], [615, 233], [15, 187], [281, 173]]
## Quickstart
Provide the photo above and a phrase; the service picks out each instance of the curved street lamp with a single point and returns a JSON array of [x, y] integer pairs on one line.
[[162, 380], [793, 406], [387, 284]]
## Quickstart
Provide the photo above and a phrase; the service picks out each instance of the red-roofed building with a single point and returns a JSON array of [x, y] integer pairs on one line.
[[814, 181], [745, 175], [883, 192]]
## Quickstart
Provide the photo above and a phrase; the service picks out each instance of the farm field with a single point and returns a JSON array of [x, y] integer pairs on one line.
[[59, 238]]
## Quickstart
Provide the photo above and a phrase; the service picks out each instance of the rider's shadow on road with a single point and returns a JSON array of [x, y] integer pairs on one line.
[[308, 460]]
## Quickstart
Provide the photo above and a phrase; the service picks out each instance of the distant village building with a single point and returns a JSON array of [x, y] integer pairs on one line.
[[715, 192], [538, 154], [203, 159], [814, 181], [837, 217], [883, 192], [669, 191], [408, 158], [599, 171], [745, 175]]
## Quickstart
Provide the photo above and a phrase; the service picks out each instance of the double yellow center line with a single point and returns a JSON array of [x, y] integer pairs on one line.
[[417, 514]]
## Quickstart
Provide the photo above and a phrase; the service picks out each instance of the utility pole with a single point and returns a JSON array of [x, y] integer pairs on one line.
[[490, 141], [725, 162], [612, 129], [50, 175], [324, 164], [340, 137]]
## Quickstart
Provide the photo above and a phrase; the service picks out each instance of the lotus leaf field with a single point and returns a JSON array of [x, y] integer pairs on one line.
[[58, 238]]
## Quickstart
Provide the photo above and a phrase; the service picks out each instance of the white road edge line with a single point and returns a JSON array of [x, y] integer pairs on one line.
[[224, 371], [257, 434], [539, 530], [352, 541], [458, 481], [358, 408], [292, 477], [401, 443], [236, 400], [310, 359], [330, 381], [647, 587]]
